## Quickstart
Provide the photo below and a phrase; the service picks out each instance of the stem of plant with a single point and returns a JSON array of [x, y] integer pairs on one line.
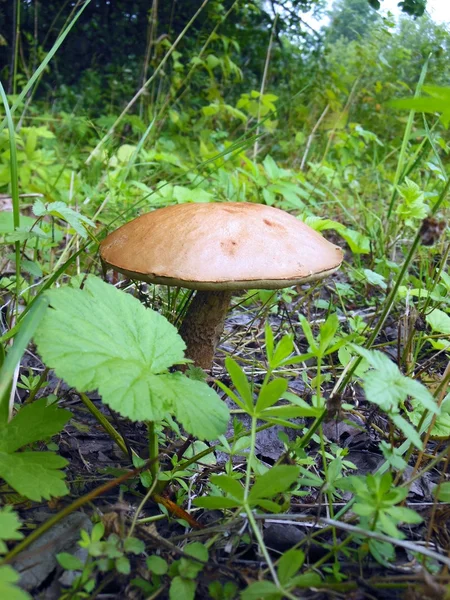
[[153, 450]]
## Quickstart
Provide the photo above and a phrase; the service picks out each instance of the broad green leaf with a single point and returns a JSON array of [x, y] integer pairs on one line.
[[36, 475], [229, 485], [181, 588], [102, 338], [277, 480], [289, 564], [8, 590], [61, 210], [443, 492], [261, 589], [134, 545], [439, 321], [197, 550], [386, 386], [33, 422], [157, 565]]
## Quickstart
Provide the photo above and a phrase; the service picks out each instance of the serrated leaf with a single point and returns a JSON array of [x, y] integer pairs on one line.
[[36, 475], [134, 545], [277, 480], [8, 578], [33, 422], [101, 338], [9, 527]]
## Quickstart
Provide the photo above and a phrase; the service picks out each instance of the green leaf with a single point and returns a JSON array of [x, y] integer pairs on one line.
[[283, 349], [261, 589], [327, 332], [33, 422], [228, 485], [27, 327], [308, 334], [197, 550], [404, 515], [212, 502], [443, 492], [240, 382], [9, 527], [439, 321], [269, 341], [36, 475], [102, 338], [123, 565], [386, 386], [62, 211], [69, 562], [182, 588], [270, 393], [8, 590], [157, 565], [289, 564], [277, 480], [408, 430], [134, 545]]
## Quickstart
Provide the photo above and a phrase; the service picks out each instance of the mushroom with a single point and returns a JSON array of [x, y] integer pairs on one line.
[[217, 248]]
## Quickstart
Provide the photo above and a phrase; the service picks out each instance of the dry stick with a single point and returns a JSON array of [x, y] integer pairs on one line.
[[311, 136], [137, 95], [263, 83]]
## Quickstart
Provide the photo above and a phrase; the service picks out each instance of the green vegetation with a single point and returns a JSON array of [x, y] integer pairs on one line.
[[327, 411]]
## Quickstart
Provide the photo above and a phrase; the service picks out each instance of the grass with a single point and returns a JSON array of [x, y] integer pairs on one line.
[[123, 166]]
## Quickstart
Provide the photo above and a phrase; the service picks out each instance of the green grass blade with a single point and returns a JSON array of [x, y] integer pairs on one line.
[[14, 187], [27, 329], [46, 60]]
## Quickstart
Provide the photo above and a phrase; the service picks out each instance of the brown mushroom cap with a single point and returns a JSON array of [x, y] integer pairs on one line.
[[220, 246]]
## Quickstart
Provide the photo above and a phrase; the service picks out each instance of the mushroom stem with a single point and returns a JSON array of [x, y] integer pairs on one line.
[[203, 325]]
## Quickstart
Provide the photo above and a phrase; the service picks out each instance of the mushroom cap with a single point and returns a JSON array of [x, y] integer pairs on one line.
[[220, 246]]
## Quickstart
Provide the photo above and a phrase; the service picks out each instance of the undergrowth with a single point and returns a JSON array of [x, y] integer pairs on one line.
[[192, 487]]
